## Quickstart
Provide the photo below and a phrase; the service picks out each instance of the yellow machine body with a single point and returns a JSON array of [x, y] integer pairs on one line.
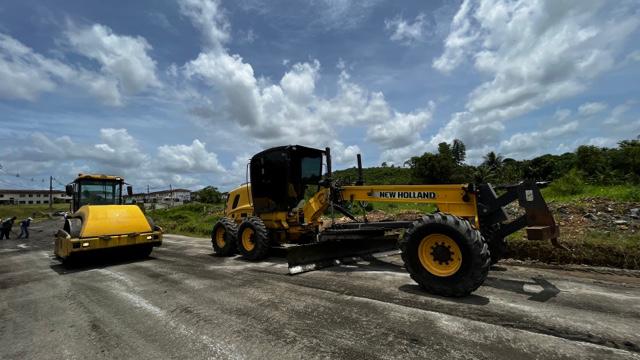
[[454, 199], [101, 220], [99, 227]]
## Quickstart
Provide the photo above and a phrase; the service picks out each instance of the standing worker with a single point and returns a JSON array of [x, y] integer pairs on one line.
[[5, 227], [24, 228]]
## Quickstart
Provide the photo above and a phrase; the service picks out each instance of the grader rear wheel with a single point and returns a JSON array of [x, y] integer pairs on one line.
[[253, 239], [445, 255], [223, 237]]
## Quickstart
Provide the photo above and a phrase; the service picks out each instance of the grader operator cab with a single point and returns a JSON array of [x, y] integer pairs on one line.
[[447, 253], [99, 221]]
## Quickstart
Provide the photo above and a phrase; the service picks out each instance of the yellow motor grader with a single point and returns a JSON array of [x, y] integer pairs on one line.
[[448, 252], [100, 221]]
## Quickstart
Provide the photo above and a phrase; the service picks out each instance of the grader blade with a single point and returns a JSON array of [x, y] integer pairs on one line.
[[340, 246]]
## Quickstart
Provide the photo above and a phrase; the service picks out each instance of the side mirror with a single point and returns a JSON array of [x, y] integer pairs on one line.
[[69, 190], [129, 190]]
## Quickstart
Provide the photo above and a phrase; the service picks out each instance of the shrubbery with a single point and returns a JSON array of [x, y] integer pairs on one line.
[[588, 165]]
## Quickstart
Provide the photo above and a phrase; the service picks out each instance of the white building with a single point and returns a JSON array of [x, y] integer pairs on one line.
[[175, 197], [25, 197]]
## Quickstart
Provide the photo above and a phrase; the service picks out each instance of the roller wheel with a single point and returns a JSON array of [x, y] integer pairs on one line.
[[445, 255], [144, 251], [223, 237], [253, 239]]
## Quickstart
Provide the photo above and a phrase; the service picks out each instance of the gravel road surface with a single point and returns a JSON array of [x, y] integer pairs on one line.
[[185, 303]]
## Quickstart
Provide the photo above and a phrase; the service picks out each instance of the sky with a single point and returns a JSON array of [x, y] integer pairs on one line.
[[181, 93]]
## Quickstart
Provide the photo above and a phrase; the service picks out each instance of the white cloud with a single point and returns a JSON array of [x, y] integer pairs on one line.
[[591, 108], [117, 149], [192, 158], [401, 130], [290, 110], [562, 114], [123, 58], [119, 153], [25, 74], [521, 145], [534, 53], [460, 37], [405, 31], [208, 17], [635, 56], [615, 117], [125, 67]]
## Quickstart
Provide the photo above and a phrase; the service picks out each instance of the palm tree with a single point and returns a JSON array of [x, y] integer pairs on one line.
[[493, 161]]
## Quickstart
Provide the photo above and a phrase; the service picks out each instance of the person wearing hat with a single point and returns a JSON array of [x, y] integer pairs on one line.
[[24, 228], [5, 227]]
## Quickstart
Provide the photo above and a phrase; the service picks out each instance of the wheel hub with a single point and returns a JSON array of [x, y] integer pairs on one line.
[[441, 253]]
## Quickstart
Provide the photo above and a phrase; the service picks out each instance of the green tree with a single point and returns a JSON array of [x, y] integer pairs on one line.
[[440, 168], [593, 162], [626, 161], [459, 151], [210, 195], [493, 160]]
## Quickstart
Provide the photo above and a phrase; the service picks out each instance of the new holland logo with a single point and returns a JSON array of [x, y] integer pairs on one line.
[[404, 194]]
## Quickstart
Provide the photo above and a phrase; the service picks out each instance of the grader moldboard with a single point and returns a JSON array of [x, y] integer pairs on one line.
[[100, 223], [447, 253]]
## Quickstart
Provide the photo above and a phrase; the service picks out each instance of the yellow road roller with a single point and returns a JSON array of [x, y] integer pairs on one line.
[[99, 220]]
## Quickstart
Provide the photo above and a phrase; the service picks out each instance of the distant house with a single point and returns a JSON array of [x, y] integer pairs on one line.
[[25, 197], [175, 197]]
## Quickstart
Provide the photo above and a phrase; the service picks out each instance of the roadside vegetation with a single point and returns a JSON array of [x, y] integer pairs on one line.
[[35, 211], [193, 219]]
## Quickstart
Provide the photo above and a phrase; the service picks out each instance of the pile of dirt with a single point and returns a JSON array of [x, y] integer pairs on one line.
[[596, 231], [597, 214]]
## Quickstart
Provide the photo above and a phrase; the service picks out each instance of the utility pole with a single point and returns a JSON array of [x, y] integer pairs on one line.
[[147, 199], [50, 192], [171, 192]]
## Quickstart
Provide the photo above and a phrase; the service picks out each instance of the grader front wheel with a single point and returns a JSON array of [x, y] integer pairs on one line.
[[253, 239], [445, 255], [223, 237]]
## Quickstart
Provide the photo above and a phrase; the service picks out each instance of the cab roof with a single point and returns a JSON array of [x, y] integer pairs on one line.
[[288, 148], [82, 176]]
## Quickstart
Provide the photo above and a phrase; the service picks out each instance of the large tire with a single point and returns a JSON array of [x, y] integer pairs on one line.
[[497, 245], [224, 237], [445, 255], [253, 239]]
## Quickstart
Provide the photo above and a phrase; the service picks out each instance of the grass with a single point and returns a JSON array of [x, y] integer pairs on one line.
[[35, 211], [194, 219], [630, 193]]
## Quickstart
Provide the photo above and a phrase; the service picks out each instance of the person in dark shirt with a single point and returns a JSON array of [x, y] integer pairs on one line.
[[5, 227], [24, 228]]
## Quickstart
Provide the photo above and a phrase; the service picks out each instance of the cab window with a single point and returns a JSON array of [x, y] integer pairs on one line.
[[236, 199]]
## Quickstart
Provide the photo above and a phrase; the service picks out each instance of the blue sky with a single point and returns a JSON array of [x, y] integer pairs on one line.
[[183, 92]]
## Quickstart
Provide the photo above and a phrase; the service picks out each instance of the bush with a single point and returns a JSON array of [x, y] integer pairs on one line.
[[570, 184]]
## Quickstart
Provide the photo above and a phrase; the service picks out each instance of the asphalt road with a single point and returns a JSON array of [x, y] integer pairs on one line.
[[185, 303]]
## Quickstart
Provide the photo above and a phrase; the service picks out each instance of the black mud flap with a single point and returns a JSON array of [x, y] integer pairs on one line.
[[350, 246]]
